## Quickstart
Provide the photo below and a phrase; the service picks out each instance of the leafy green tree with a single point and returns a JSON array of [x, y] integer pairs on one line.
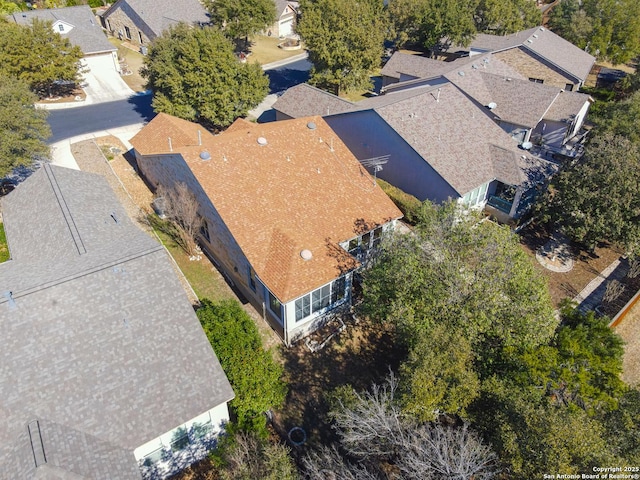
[[439, 375], [7, 8], [23, 127], [344, 40], [458, 271], [608, 29], [598, 198], [241, 18], [38, 55], [195, 75], [255, 377], [501, 17]]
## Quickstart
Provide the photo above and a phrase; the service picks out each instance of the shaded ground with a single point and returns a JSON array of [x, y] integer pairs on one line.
[[629, 330], [586, 267]]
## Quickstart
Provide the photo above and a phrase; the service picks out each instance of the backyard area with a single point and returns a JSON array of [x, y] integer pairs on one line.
[[4, 249]]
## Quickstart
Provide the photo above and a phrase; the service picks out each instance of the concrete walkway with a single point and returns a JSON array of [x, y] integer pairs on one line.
[[591, 296]]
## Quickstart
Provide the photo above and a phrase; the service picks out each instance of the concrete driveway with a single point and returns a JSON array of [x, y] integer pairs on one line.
[[103, 83]]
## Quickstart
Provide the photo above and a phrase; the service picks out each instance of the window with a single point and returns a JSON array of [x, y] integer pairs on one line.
[[153, 458], [321, 298], [275, 306], [127, 32], [204, 230], [61, 27], [366, 241], [353, 245], [568, 87], [252, 279], [536, 80], [140, 36], [377, 236]]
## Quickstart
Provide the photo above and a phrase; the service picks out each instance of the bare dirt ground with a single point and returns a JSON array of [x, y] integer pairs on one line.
[[586, 267], [629, 330]]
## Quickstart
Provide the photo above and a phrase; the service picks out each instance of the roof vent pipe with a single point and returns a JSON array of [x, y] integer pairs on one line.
[[199, 137], [262, 141], [170, 145]]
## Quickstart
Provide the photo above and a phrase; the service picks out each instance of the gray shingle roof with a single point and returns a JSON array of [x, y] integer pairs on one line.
[[306, 101], [544, 43], [100, 343], [567, 106], [159, 15], [86, 33], [456, 138], [417, 66]]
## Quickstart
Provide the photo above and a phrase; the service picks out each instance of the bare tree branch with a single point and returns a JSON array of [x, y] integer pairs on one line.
[[328, 464], [181, 208]]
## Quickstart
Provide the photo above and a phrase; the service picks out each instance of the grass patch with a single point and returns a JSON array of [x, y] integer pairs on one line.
[[4, 248], [408, 204], [265, 50], [205, 280]]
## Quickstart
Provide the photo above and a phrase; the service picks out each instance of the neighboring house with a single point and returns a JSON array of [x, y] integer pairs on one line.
[[141, 21], [541, 114], [438, 144], [286, 14], [79, 25], [304, 100], [288, 212], [539, 55], [106, 371]]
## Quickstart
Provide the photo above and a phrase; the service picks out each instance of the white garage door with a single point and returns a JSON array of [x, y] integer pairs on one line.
[[103, 83], [286, 28]]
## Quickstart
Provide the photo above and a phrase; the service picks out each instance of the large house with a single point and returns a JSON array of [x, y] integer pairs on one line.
[[106, 373], [80, 26], [141, 21], [434, 142], [288, 212], [286, 19], [544, 115], [539, 55]]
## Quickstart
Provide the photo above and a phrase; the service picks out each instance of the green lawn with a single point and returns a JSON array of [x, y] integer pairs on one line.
[[4, 249], [205, 280]]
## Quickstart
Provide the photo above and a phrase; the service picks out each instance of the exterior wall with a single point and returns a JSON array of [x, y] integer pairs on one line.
[[367, 135], [282, 116], [124, 17], [517, 132], [531, 66], [579, 120], [386, 81], [550, 134], [285, 25]]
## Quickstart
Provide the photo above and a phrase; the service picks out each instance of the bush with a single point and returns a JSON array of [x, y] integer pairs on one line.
[[255, 377], [408, 204]]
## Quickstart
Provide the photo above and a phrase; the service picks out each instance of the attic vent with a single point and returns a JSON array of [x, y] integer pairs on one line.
[[535, 35], [541, 29], [461, 74], [262, 141], [529, 41], [474, 66], [306, 254], [508, 79], [485, 60], [114, 217], [204, 155], [311, 125], [492, 105], [526, 145]]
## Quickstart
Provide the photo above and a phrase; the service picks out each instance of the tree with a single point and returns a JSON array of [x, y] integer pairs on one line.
[[255, 377], [608, 29], [501, 17], [23, 126], [7, 8], [195, 75], [344, 40], [372, 427], [241, 18], [598, 198], [38, 56], [458, 271], [246, 456], [181, 207]]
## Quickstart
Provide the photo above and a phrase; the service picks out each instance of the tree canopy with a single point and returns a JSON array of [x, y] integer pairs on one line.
[[23, 126], [344, 40], [38, 56], [607, 29], [195, 75], [598, 198], [255, 377], [241, 18], [438, 24]]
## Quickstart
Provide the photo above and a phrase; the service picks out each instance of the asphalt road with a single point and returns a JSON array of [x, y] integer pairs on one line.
[[71, 122]]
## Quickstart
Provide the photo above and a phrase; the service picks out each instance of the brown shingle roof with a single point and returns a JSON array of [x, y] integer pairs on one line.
[[302, 190], [567, 106], [544, 43]]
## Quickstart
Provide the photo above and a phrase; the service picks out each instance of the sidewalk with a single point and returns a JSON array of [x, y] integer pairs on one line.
[[591, 296]]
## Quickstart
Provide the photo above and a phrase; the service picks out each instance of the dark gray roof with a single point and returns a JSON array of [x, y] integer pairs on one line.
[[456, 138], [303, 100], [159, 15], [543, 43], [86, 33], [100, 345], [417, 66], [281, 5]]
